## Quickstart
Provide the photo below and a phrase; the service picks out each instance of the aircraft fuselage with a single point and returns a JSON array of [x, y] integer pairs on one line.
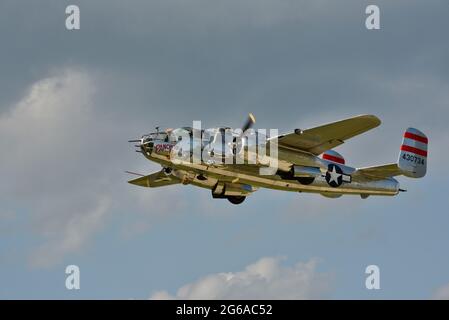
[[314, 175]]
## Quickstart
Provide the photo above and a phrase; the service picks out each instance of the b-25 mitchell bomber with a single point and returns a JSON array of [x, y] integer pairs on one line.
[[231, 163]]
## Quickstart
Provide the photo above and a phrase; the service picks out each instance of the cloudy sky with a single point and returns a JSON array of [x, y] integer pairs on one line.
[[70, 100]]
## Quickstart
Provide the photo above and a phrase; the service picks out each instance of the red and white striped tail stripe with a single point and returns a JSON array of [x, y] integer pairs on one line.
[[331, 155], [415, 142], [416, 137]]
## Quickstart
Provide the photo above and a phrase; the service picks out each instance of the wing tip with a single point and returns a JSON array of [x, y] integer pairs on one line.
[[375, 120]]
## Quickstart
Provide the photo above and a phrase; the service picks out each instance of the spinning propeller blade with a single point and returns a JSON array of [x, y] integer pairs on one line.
[[249, 122]]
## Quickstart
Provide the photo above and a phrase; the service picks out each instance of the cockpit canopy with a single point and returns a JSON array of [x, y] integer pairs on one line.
[[160, 135], [221, 138]]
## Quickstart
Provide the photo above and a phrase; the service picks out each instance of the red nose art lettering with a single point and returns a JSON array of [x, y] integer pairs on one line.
[[165, 147]]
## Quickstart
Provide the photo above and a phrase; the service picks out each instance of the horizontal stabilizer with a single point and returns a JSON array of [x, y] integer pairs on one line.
[[412, 160], [154, 180], [381, 172]]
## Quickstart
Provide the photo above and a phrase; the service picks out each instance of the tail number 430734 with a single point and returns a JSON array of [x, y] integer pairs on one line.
[[413, 158]]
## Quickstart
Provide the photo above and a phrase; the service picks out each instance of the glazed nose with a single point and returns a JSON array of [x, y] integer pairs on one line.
[[147, 145]]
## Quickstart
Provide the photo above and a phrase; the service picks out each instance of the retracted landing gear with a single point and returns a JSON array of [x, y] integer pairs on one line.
[[236, 199]]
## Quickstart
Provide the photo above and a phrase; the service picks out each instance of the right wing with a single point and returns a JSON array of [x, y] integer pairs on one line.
[[154, 180], [319, 139]]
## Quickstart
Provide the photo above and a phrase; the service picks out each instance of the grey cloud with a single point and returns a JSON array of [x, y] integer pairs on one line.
[[64, 164], [134, 66], [272, 58], [48, 163]]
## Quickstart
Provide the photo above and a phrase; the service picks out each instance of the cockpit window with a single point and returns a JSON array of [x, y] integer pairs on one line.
[[178, 134], [156, 136]]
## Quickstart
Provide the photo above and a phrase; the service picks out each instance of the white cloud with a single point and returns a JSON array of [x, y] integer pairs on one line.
[[48, 167], [264, 279], [62, 167], [442, 293]]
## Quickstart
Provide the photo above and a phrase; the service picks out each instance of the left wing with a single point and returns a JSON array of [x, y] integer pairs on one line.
[[154, 180], [319, 139]]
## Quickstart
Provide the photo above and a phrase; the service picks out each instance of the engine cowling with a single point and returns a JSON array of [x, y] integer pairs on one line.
[[224, 190]]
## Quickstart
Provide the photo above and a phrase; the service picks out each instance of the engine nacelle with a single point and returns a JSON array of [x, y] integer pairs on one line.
[[224, 190], [332, 195], [305, 172]]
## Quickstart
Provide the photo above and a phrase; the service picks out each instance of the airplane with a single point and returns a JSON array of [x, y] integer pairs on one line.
[[305, 160]]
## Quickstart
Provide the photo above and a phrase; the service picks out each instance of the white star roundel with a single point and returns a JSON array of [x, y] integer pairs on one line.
[[334, 175]]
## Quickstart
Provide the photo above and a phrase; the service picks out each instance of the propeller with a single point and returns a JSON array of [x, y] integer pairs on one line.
[[250, 121]]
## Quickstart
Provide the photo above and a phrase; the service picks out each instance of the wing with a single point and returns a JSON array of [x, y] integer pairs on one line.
[[319, 139], [154, 180], [380, 172]]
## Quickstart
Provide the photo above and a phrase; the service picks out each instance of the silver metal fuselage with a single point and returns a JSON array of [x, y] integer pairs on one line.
[[207, 175]]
